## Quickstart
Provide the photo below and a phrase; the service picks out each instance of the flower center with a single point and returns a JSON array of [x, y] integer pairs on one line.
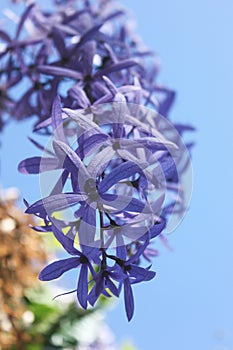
[[91, 189], [116, 145], [83, 259]]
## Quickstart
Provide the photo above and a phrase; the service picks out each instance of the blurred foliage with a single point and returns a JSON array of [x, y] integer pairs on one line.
[[128, 346], [54, 323], [21, 258]]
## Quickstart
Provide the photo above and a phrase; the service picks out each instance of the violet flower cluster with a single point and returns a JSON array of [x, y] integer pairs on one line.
[[71, 51], [106, 198], [111, 162]]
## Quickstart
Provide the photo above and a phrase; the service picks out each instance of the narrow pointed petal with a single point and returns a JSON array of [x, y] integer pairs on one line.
[[117, 273], [50, 204], [64, 153], [47, 122], [112, 287], [116, 203], [149, 142], [93, 296], [124, 64], [100, 162], [99, 286], [4, 36], [80, 97], [156, 133], [82, 290], [129, 301], [66, 242], [59, 71], [59, 185], [139, 252], [166, 104], [123, 171], [82, 120], [36, 165], [120, 249], [87, 228], [23, 19], [91, 144], [157, 228], [140, 274], [58, 38], [57, 121], [57, 268]]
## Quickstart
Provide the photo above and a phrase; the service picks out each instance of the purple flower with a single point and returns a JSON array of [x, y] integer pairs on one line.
[[121, 165], [83, 260], [125, 272], [131, 273], [118, 170], [104, 283], [91, 195], [135, 274], [87, 54]]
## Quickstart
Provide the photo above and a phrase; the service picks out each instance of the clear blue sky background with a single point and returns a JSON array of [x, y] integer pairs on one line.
[[189, 305]]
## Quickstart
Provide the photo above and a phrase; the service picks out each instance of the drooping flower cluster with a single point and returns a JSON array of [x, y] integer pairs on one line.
[[111, 172], [74, 51]]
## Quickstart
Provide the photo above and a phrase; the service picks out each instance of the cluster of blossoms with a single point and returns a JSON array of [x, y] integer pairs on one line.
[[74, 51], [114, 166]]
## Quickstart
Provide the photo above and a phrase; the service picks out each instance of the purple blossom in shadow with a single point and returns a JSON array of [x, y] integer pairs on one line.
[[86, 53]]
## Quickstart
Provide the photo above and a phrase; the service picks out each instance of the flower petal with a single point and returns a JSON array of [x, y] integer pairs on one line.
[[58, 39], [100, 162], [82, 120], [36, 165], [71, 160], [66, 242], [123, 171], [82, 290], [140, 274], [139, 252], [56, 202], [166, 104], [93, 296], [128, 297], [124, 64], [109, 284], [23, 19], [87, 228], [57, 268], [90, 144], [57, 121], [114, 203], [79, 96], [59, 71]]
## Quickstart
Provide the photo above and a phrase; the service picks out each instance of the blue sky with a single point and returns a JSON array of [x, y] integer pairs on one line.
[[188, 306]]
